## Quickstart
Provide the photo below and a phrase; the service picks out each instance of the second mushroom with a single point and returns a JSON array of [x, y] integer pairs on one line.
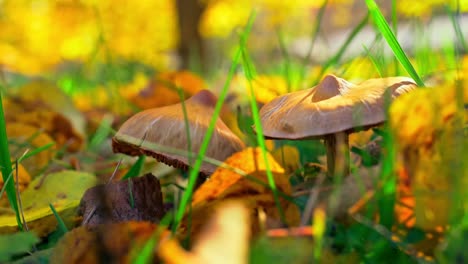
[[330, 111], [166, 127]]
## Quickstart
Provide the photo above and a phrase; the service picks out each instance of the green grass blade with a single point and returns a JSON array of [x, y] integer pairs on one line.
[[145, 254], [287, 60], [387, 197], [35, 152], [102, 132], [385, 30], [342, 49], [250, 75], [5, 184], [180, 92], [395, 29], [377, 66], [206, 140], [61, 224], [314, 35], [5, 164], [456, 26], [136, 169]]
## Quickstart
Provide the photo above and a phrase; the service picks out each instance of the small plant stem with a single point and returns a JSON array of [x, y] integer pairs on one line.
[[20, 204]]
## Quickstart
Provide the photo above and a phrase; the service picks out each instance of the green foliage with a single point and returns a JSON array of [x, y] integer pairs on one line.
[[15, 244]]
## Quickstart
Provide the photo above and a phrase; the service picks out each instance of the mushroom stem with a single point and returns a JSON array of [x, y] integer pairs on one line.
[[337, 154]]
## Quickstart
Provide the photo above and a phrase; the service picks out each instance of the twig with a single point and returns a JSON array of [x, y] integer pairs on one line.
[[20, 204], [312, 200], [115, 171]]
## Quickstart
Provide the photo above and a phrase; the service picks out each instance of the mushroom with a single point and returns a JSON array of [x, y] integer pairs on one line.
[[330, 111], [165, 126]]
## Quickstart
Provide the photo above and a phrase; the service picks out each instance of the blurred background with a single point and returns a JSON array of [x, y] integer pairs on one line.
[[83, 45]]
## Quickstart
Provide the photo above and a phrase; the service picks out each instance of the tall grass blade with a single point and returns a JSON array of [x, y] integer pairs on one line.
[[104, 130], [342, 49], [5, 164], [454, 17], [136, 169], [61, 224], [318, 23], [206, 140], [395, 30], [35, 151], [250, 75], [385, 30], [287, 60]]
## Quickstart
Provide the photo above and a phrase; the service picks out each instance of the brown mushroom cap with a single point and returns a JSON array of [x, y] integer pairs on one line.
[[165, 126], [333, 106]]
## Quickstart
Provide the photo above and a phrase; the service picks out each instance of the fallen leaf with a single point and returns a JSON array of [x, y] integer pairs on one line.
[[24, 179], [45, 105], [54, 97], [29, 137], [62, 189], [137, 199], [224, 239], [224, 184], [110, 243], [157, 93]]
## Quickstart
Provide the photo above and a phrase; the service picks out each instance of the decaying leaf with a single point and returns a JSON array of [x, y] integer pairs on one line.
[[29, 137], [157, 93], [137, 199], [224, 239], [224, 184], [112, 243], [44, 105], [428, 128], [62, 189], [23, 179], [53, 97]]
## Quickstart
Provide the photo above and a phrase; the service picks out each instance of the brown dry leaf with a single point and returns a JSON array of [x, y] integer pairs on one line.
[[106, 243], [156, 93], [29, 137], [225, 239], [54, 124], [224, 184], [45, 105]]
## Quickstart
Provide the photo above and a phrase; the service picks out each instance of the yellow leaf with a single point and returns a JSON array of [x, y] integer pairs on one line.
[[428, 129], [62, 189], [224, 239], [30, 137], [224, 184]]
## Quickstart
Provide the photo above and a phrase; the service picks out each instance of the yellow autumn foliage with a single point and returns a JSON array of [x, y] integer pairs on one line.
[[79, 30], [428, 129], [227, 185]]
